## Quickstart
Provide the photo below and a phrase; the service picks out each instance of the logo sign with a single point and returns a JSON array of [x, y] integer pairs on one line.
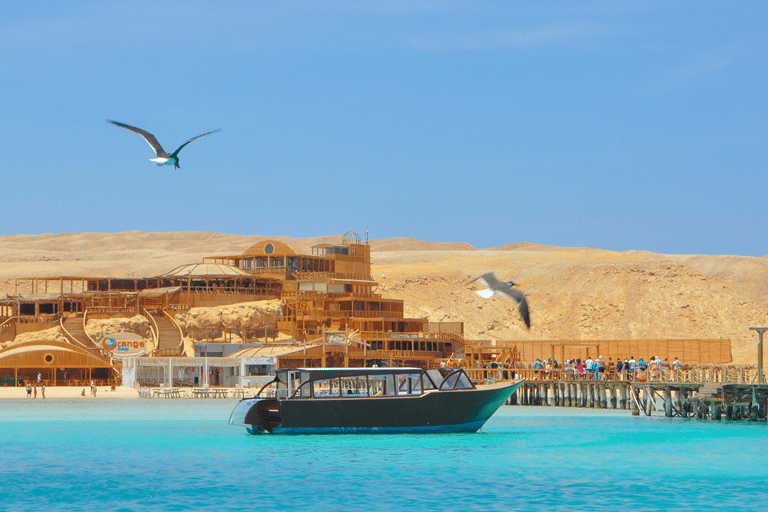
[[335, 338], [124, 344]]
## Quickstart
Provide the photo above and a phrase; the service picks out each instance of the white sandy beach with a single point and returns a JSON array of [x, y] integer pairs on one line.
[[56, 392]]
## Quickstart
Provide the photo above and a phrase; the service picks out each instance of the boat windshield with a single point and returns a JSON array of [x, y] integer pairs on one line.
[[447, 378]]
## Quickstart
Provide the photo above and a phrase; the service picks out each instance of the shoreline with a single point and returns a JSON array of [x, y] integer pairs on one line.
[[69, 392]]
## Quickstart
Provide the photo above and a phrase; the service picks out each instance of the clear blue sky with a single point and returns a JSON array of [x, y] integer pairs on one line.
[[615, 125]]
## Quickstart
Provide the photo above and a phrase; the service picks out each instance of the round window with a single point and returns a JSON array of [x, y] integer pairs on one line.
[[48, 358], [269, 249]]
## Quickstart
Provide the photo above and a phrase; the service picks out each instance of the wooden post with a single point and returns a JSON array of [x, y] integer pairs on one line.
[[667, 401], [633, 406]]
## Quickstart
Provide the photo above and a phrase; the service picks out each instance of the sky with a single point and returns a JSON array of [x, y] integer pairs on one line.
[[633, 125]]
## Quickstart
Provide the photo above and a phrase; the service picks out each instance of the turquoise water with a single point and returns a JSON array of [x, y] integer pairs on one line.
[[113, 454]]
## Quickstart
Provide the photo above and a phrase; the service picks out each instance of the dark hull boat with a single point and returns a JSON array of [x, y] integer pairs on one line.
[[371, 400]]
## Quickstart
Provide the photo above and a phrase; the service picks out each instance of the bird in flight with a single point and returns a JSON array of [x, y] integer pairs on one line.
[[505, 288], [163, 158]]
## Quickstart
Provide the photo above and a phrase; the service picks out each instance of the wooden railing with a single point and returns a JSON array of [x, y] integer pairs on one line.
[[154, 330], [736, 374], [306, 294], [443, 337], [39, 319], [6, 327], [326, 314]]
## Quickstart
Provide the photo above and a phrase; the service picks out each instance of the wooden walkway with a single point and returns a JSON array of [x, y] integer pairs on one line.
[[709, 392]]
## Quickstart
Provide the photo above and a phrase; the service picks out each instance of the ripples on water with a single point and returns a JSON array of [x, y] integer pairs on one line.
[[180, 455]]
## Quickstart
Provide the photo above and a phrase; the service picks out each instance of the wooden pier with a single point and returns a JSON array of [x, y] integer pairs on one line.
[[708, 392]]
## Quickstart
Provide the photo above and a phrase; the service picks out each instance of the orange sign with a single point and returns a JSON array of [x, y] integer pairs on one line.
[[124, 344]]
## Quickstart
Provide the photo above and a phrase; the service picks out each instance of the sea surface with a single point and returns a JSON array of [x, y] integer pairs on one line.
[[154, 454]]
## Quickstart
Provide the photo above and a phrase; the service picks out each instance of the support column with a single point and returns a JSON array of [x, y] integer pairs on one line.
[[667, 401], [633, 405], [760, 377]]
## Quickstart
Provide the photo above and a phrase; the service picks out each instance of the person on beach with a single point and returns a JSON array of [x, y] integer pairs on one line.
[[39, 377], [83, 393], [35, 390], [29, 390], [42, 390]]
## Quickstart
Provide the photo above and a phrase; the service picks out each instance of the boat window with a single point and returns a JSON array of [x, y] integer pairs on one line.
[[409, 384], [381, 385], [327, 388], [433, 379], [457, 380], [292, 384], [354, 386]]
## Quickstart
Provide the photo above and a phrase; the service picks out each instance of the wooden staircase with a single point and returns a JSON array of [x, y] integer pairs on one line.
[[74, 330], [169, 341]]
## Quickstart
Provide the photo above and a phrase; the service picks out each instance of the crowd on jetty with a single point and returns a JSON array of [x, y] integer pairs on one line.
[[599, 369], [628, 369]]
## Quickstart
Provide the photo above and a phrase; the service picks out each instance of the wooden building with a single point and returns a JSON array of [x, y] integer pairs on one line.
[[330, 313]]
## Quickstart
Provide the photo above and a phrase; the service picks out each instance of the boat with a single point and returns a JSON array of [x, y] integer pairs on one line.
[[370, 400]]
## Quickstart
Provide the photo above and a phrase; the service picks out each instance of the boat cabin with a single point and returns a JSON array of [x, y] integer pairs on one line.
[[320, 383]]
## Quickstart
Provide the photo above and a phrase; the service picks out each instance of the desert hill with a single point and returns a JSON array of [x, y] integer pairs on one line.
[[574, 293]]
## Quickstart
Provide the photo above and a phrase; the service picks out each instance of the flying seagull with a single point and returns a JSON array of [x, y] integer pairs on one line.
[[163, 158], [505, 288]]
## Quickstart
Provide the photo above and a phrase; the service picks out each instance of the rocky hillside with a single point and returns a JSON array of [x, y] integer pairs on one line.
[[574, 293]]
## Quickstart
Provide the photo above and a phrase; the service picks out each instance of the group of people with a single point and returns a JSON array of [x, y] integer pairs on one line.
[[599, 369], [33, 389]]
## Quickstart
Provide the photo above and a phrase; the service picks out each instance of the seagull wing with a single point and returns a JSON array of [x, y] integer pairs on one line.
[[489, 280], [522, 303], [151, 140], [190, 140]]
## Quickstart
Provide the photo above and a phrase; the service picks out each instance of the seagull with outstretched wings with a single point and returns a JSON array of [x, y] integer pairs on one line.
[[495, 286], [163, 158]]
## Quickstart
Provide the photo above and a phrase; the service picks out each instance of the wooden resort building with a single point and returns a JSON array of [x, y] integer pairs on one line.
[[329, 315]]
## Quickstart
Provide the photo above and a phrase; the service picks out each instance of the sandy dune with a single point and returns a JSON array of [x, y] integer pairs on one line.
[[574, 293]]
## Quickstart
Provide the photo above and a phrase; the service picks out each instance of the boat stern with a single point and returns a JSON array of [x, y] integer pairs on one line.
[[240, 413], [257, 415]]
